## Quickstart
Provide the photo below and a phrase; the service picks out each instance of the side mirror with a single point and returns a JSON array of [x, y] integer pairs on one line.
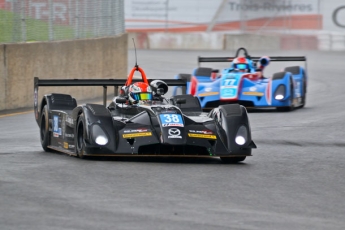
[[121, 100], [181, 101]]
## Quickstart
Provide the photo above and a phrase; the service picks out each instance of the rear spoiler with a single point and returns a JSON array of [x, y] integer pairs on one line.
[[255, 59], [93, 82]]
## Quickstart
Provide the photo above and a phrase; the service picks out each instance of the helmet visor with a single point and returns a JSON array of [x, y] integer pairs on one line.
[[141, 96], [241, 66]]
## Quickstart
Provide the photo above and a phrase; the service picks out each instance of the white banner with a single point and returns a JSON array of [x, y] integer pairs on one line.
[[160, 14]]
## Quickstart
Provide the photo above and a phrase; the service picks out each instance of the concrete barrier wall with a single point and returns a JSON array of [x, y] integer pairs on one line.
[[84, 59], [203, 41], [220, 41], [2, 78], [252, 42], [184, 41]]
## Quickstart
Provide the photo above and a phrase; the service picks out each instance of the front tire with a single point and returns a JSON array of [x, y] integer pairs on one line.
[[232, 160], [80, 137], [44, 129]]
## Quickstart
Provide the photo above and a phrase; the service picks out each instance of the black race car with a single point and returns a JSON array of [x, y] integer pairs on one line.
[[158, 127]]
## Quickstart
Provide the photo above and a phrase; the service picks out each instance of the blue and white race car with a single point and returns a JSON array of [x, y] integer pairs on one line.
[[244, 83]]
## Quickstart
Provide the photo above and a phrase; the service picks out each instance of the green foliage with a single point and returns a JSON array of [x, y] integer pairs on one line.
[[11, 29]]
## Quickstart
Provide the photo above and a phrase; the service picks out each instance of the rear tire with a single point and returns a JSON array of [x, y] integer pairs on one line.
[[304, 97], [44, 129], [80, 137], [232, 160]]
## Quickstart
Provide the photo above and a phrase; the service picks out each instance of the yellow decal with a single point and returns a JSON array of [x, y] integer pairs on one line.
[[207, 94], [65, 145], [131, 135], [253, 93], [207, 136]]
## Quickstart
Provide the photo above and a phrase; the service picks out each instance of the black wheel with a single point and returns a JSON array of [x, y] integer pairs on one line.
[[44, 129], [232, 160], [303, 99], [80, 137]]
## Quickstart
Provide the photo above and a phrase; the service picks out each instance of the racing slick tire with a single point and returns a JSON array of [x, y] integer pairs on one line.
[[44, 129], [232, 160], [304, 97], [80, 136]]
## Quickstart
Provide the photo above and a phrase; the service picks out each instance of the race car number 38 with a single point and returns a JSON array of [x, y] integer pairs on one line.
[[168, 120]]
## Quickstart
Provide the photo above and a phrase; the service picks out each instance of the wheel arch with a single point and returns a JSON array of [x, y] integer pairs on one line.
[[233, 116]]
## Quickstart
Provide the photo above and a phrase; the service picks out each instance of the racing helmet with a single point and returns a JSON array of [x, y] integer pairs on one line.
[[139, 91], [241, 64]]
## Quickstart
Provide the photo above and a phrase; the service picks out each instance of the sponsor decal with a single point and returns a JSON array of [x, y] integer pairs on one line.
[[56, 129], [171, 120], [201, 131], [253, 94], [174, 133], [206, 136], [71, 146], [65, 145], [132, 135], [208, 94], [252, 89], [172, 124], [135, 130], [69, 120], [69, 135]]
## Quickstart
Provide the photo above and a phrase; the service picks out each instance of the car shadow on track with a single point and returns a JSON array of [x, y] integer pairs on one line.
[[169, 160], [151, 159]]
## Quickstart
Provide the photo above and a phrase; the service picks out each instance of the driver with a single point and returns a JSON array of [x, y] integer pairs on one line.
[[139, 93], [241, 64]]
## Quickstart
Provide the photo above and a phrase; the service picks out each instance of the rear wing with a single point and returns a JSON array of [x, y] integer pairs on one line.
[[93, 82], [255, 59]]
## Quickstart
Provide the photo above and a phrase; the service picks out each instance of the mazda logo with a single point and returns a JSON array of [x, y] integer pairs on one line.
[[174, 132]]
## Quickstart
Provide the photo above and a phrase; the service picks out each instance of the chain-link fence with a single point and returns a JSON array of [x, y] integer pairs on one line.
[[49, 20]]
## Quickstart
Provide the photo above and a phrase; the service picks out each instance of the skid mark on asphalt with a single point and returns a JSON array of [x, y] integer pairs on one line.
[[301, 143]]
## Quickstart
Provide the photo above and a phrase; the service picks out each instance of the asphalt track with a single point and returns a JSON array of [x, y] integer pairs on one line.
[[294, 180]]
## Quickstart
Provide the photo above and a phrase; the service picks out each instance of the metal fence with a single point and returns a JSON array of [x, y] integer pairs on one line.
[[51, 20]]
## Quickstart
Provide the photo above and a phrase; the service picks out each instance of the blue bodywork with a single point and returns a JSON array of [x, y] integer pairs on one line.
[[283, 89]]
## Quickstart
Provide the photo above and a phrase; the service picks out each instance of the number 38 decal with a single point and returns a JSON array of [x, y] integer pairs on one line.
[[171, 120]]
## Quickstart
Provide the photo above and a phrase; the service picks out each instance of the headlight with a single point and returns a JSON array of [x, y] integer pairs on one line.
[[240, 140], [280, 92], [241, 136], [279, 97], [99, 135]]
